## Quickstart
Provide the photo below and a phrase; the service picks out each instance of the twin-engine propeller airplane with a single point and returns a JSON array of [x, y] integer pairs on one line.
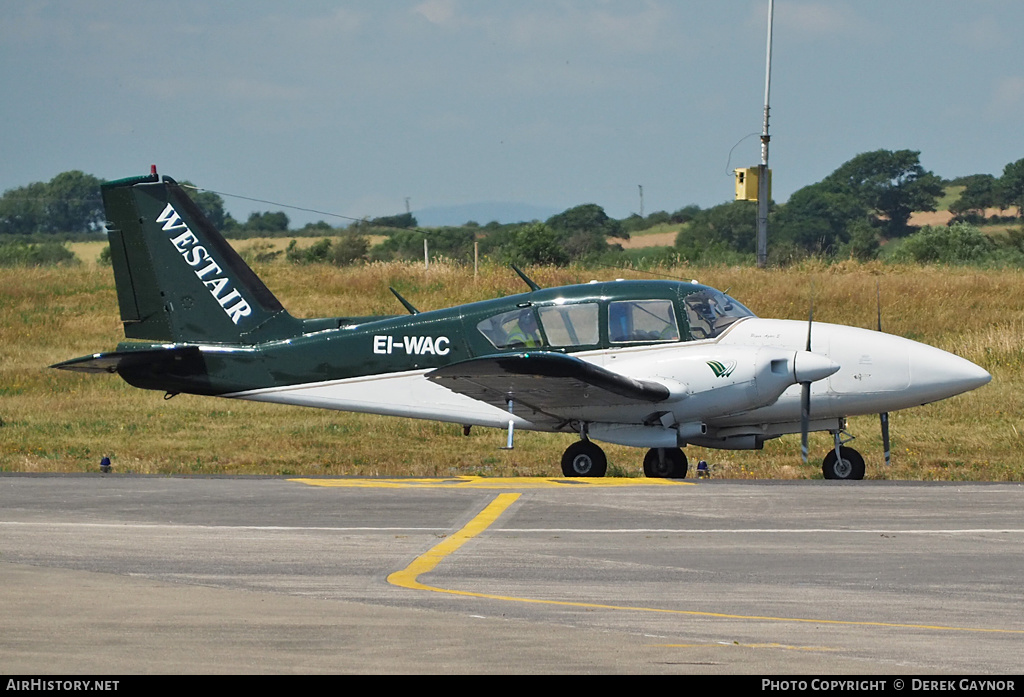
[[651, 364]]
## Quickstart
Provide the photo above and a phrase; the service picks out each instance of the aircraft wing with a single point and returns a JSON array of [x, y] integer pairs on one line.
[[550, 383]]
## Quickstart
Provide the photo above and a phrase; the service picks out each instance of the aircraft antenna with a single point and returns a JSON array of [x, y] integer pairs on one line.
[[529, 281], [408, 306]]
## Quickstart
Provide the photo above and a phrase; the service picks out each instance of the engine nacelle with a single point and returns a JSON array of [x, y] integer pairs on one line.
[[713, 381]]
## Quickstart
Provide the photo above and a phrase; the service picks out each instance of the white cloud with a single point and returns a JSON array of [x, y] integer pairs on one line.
[[441, 12], [818, 19], [983, 32], [1007, 97]]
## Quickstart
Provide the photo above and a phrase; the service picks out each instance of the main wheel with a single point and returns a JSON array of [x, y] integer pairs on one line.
[[850, 465], [584, 459], [670, 466]]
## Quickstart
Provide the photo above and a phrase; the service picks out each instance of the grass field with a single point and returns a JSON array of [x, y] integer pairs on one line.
[[55, 421]]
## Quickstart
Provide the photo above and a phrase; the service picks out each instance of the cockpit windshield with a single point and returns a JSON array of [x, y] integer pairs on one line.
[[710, 311]]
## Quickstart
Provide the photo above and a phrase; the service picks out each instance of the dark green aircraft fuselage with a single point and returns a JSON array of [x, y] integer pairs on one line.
[[367, 346]]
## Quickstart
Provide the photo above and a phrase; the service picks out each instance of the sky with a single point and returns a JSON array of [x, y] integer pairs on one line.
[[356, 107]]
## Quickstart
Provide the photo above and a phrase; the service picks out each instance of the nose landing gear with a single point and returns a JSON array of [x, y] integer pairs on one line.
[[842, 462]]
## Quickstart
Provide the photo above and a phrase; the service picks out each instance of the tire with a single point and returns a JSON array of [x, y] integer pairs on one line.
[[673, 467], [850, 466], [584, 459]]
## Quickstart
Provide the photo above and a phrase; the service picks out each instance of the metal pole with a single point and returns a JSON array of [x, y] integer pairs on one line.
[[762, 169], [426, 257]]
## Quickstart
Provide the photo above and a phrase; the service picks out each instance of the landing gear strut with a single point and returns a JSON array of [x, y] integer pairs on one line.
[[584, 459], [665, 463]]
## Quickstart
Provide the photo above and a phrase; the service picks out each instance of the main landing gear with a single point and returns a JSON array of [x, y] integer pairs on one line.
[[586, 459], [665, 463], [847, 464]]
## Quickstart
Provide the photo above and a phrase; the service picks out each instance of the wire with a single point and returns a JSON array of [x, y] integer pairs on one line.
[[728, 171], [364, 220], [274, 203]]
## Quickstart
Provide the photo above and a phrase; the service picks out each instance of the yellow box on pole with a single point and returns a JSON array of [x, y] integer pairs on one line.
[[746, 183]]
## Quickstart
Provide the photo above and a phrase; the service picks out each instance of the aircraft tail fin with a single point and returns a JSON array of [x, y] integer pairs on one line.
[[177, 278]]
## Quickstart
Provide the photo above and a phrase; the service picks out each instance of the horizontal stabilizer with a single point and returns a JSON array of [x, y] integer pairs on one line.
[[546, 382], [116, 361]]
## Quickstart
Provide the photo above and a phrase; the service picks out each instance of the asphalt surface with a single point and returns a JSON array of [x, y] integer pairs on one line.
[[137, 575]]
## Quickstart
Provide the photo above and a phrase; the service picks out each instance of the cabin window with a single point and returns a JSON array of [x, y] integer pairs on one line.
[[642, 320], [571, 325], [710, 311], [511, 330]]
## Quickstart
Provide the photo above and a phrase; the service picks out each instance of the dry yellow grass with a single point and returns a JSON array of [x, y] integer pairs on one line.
[[64, 422]]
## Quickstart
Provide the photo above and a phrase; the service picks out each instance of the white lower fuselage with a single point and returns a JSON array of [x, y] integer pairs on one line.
[[877, 372]]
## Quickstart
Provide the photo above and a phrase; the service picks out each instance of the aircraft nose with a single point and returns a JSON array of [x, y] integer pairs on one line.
[[953, 373], [808, 367]]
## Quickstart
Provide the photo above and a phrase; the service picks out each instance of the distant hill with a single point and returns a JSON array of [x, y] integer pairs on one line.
[[483, 213]]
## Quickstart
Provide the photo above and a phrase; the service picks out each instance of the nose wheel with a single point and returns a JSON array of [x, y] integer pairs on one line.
[[848, 464], [665, 463], [584, 459]]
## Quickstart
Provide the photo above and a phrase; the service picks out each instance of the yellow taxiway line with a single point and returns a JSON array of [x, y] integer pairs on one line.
[[409, 578]]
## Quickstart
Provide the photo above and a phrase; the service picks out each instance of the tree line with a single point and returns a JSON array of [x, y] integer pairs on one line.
[[863, 204]]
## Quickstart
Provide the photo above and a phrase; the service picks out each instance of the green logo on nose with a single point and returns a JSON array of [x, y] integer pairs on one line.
[[722, 370]]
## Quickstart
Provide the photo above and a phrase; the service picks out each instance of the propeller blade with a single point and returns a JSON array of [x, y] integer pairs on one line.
[[884, 416], [805, 418], [805, 393], [810, 321], [878, 302]]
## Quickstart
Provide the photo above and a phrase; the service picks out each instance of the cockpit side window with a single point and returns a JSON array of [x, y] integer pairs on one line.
[[710, 312], [642, 320], [511, 330], [571, 325]]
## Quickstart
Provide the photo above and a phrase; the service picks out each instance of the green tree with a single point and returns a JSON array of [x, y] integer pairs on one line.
[[981, 191], [23, 210], [349, 248], [584, 230], [863, 244], [68, 203], [730, 226], [407, 245], [402, 221], [1011, 186], [536, 243], [685, 214], [18, 253], [210, 203], [892, 184], [817, 219], [960, 243], [74, 203], [267, 222]]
